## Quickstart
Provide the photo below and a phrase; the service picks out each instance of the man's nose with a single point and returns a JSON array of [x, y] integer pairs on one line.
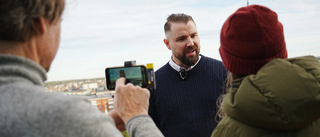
[[190, 42]]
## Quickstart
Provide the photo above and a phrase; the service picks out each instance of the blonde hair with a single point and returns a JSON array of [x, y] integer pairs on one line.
[[228, 82]]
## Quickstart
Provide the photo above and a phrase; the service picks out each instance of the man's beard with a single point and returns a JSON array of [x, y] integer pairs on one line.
[[191, 60]]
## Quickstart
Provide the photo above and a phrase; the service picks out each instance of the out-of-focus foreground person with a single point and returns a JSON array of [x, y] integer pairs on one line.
[[29, 40], [188, 86], [269, 95]]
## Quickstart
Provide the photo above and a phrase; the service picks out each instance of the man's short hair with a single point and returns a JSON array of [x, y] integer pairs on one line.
[[177, 18], [18, 18]]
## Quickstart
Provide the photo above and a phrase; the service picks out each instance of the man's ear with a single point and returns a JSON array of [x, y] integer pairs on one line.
[[166, 41], [41, 25]]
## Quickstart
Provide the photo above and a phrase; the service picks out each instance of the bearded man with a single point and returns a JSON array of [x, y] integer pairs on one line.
[[188, 86]]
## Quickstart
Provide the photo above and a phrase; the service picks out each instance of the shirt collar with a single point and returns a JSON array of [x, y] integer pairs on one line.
[[177, 67]]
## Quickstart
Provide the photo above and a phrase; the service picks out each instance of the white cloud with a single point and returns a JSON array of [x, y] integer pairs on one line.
[[103, 33]]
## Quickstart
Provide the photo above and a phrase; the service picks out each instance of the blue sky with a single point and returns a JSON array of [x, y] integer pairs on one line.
[[104, 33]]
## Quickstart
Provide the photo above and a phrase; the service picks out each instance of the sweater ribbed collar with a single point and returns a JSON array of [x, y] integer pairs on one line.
[[15, 67]]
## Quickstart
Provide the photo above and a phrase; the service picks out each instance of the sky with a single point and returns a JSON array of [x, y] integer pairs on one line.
[[97, 34]]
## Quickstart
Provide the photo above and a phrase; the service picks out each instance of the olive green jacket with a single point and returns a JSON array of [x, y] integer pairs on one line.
[[281, 100]]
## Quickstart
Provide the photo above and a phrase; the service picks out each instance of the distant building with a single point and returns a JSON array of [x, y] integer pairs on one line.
[[80, 92], [90, 86], [75, 84], [69, 86], [101, 88]]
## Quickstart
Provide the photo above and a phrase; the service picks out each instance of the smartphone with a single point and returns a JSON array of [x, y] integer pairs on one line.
[[136, 75]]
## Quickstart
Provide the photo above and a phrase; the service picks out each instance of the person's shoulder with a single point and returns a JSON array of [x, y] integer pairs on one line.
[[163, 69], [234, 128], [75, 108], [77, 114], [304, 59], [214, 64], [22, 90], [211, 62], [308, 63], [206, 58], [71, 103]]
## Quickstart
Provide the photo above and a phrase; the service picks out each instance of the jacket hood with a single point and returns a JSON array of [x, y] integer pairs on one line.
[[283, 95]]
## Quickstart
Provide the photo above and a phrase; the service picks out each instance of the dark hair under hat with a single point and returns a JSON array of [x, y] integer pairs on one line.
[[251, 37]]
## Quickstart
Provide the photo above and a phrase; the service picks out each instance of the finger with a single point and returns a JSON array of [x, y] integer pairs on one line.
[[147, 92], [130, 84], [120, 81]]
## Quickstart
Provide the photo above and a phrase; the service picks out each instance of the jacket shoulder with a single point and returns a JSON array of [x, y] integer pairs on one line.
[[229, 127]]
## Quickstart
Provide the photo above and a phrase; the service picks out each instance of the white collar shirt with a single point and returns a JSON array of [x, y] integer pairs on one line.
[[177, 67]]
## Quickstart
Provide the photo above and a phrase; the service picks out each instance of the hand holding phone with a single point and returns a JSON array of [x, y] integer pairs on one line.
[[130, 100]]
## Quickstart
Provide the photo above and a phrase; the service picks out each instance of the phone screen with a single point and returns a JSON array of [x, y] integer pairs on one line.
[[135, 75]]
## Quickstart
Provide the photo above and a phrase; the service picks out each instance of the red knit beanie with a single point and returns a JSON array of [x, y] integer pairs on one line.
[[250, 38]]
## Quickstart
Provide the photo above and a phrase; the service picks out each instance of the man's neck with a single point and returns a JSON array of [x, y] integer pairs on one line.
[[22, 49], [8, 47]]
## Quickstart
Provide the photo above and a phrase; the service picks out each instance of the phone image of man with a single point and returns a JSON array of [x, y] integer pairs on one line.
[[123, 74]]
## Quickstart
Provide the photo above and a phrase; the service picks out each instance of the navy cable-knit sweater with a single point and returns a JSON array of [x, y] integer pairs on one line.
[[187, 108]]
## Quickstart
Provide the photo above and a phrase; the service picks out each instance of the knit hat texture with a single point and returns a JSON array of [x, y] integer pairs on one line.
[[251, 37]]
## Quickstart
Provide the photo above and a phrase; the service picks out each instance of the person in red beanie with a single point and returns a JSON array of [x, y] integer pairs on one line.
[[267, 94]]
